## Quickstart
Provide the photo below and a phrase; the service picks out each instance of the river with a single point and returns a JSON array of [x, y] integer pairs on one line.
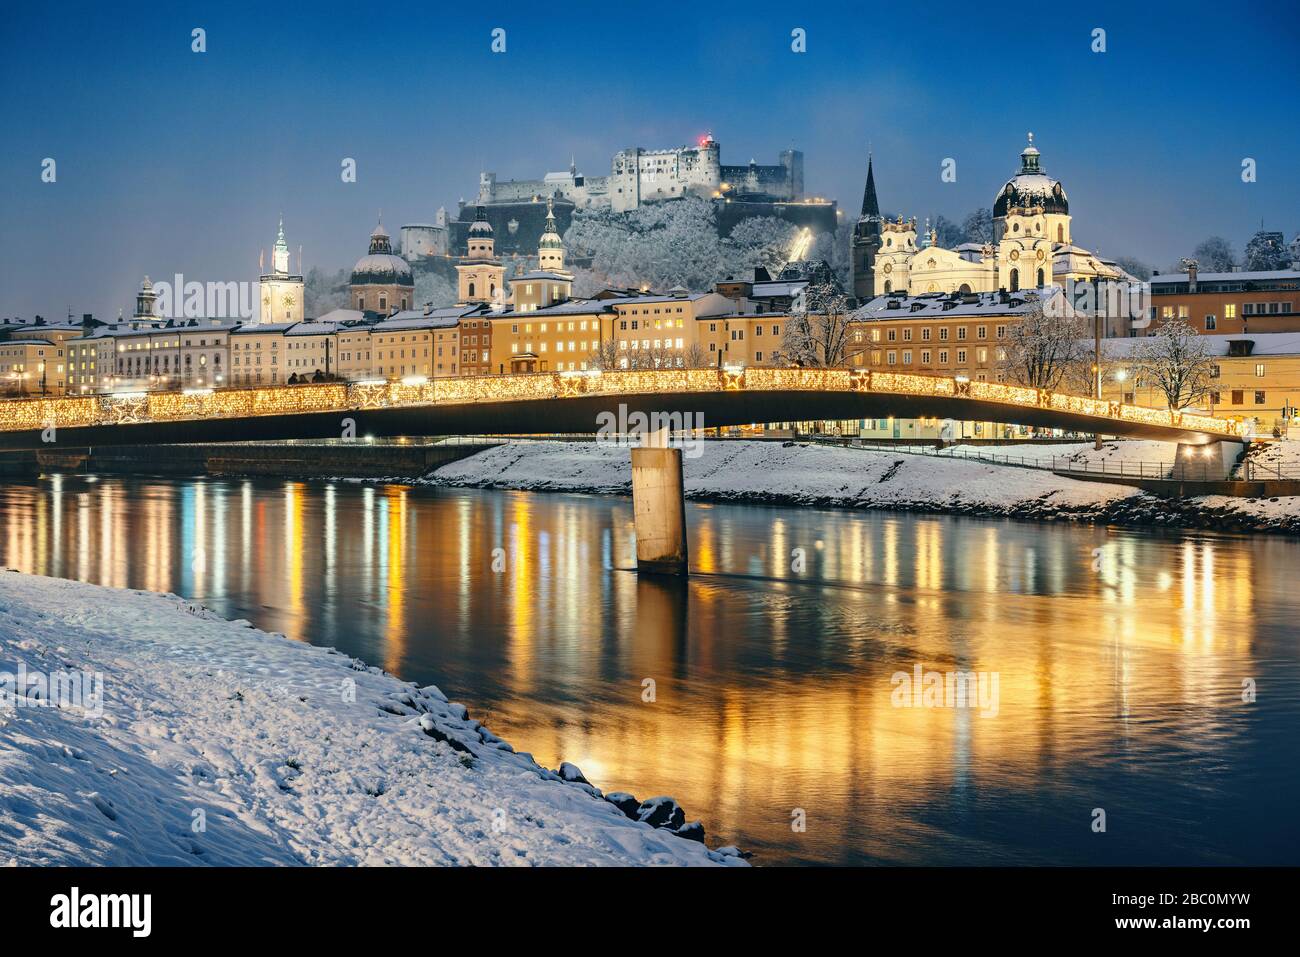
[[1114, 662]]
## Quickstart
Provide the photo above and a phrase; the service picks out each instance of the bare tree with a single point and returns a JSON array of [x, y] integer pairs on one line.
[[606, 356], [1043, 350], [816, 334], [1078, 378], [1177, 362], [695, 356]]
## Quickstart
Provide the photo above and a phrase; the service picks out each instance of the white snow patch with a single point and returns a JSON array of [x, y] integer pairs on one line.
[[288, 753]]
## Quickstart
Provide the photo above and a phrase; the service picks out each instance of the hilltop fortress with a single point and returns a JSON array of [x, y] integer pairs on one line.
[[639, 176]]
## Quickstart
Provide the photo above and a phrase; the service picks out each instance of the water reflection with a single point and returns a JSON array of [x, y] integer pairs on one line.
[[1120, 655]]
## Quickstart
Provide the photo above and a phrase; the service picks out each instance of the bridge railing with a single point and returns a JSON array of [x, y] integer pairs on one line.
[[1178, 470], [193, 404]]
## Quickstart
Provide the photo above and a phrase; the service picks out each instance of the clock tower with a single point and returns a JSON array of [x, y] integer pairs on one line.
[[280, 292]]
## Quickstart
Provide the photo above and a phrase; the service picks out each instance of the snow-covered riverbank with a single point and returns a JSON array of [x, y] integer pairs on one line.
[[778, 473], [216, 743]]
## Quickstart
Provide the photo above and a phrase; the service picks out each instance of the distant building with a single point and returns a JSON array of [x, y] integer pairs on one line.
[[381, 282], [480, 276], [1255, 377], [517, 227], [946, 334], [639, 176], [1031, 248], [280, 291], [1228, 303], [426, 240]]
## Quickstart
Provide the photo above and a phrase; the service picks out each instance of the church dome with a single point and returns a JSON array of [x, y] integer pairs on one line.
[[380, 266], [1031, 187]]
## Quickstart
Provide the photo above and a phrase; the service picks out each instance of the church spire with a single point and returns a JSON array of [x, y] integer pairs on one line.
[[550, 248], [280, 252], [870, 206]]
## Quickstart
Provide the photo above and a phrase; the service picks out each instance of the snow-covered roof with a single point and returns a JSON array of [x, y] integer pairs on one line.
[[1264, 276], [1265, 344], [263, 328], [932, 305], [540, 276], [570, 307], [342, 315], [312, 327], [417, 319]]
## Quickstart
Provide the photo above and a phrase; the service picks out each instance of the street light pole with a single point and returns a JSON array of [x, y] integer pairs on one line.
[[1096, 361]]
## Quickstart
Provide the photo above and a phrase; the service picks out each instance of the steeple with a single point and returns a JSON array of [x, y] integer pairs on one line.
[[870, 206], [867, 238], [280, 254], [550, 248]]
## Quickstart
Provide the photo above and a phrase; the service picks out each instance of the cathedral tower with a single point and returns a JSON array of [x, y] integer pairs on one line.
[[866, 240]]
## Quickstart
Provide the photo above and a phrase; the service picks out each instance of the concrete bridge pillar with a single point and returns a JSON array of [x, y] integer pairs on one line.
[[659, 506], [1211, 462]]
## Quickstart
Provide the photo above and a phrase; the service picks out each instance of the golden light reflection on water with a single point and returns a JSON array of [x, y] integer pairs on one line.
[[773, 686]]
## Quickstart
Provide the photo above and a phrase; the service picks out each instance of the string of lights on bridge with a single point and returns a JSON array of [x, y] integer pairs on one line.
[[196, 404]]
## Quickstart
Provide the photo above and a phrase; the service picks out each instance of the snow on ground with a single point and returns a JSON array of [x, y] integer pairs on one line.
[[284, 752], [1112, 452], [775, 471], [1283, 455], [828, 476]]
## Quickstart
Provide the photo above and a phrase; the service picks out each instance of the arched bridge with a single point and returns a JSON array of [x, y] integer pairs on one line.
[[571, 402]]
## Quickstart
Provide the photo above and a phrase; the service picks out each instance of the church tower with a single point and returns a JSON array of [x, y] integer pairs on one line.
[[550, 249], [480, 275], [281, 292], [866, 240]]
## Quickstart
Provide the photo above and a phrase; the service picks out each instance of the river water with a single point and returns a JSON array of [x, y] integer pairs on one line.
[[1112, 663]]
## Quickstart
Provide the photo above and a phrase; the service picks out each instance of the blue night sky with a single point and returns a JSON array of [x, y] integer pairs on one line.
[[171, 161]]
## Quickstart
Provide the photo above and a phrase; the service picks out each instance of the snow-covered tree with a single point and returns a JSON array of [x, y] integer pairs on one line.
[[1267, 251], [1215, 255], [1176, 361], [834, 249], [661, 245], [1042, 351], [433, 287], [758, 241], [947, 233], [324, 291], [978, 226], [816, 333]]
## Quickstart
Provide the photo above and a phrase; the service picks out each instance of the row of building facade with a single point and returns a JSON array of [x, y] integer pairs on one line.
[[534, 324]]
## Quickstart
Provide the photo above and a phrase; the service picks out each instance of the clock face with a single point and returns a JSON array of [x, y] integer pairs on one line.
[[288, 299], [1015, 254], [266, 300]]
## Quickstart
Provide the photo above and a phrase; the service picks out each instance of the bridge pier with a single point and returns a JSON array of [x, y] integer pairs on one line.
[[659, 506], [1211, 462]]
